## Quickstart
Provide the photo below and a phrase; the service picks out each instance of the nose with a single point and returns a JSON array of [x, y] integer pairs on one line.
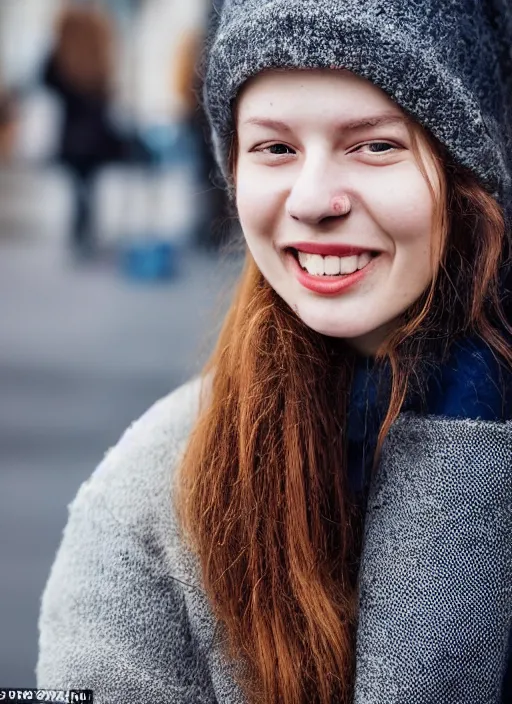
[[316, 196]]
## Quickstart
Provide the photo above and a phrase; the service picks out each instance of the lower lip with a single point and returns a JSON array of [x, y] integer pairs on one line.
[[327, 285]]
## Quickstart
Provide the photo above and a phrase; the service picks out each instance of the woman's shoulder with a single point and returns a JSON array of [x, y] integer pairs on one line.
[[119, 610]]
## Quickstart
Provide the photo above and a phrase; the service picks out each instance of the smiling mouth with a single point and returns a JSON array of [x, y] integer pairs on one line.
[[331, 266]]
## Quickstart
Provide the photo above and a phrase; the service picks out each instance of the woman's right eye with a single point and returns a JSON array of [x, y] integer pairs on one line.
[[278, 147]]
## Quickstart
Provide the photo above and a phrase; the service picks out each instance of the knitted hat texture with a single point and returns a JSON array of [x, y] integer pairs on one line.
[[448, 63]]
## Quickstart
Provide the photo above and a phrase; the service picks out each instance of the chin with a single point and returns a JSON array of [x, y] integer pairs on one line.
[[348, 330]]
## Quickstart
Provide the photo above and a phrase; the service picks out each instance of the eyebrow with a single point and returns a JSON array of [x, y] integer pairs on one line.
[[348, 126]]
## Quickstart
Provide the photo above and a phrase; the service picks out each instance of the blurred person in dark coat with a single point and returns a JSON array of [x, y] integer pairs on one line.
[[79, 70]]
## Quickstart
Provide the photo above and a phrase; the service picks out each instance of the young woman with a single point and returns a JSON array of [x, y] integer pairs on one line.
[[324, 514]]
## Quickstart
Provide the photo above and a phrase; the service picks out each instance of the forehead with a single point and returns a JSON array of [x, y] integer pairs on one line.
[[312, 94]]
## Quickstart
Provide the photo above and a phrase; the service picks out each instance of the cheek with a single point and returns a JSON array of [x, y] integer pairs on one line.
[[257, 202], [404, 209]]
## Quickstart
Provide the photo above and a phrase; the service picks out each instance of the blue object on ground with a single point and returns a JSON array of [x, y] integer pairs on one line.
[[149, 259]]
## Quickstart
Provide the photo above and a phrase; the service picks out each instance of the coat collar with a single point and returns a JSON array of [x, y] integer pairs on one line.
[[471, 384]]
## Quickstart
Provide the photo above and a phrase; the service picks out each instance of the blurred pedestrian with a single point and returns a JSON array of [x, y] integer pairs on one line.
[[324, 514], [79, 69]]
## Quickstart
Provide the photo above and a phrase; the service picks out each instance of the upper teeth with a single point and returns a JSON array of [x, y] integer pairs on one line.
[[318, 265]]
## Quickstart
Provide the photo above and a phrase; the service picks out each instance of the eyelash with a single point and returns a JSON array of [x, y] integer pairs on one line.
[[278, 144]]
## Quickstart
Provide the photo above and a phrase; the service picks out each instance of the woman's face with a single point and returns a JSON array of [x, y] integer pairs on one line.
[[308, 177]]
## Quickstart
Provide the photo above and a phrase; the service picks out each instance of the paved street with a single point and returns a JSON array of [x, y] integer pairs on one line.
[[83, 352]]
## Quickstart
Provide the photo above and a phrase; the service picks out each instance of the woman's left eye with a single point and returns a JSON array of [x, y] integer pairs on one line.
[[378, 146]]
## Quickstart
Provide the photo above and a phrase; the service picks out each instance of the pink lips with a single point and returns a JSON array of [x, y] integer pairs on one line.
[[327, 285], [328, 248]]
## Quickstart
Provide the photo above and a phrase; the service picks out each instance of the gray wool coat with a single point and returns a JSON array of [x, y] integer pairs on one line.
[[123, 611]]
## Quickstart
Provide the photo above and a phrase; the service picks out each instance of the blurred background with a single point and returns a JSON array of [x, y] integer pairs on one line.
[[113, 270]]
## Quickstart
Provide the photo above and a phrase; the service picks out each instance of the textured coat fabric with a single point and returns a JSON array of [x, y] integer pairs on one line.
[[467, 386], [448, 64], [124, 612], [435, 578]]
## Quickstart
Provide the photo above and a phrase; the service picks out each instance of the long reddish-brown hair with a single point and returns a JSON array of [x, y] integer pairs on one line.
[[261, 491]]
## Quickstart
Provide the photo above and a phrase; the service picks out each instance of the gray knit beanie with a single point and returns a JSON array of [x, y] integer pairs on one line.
[[448, 63]]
